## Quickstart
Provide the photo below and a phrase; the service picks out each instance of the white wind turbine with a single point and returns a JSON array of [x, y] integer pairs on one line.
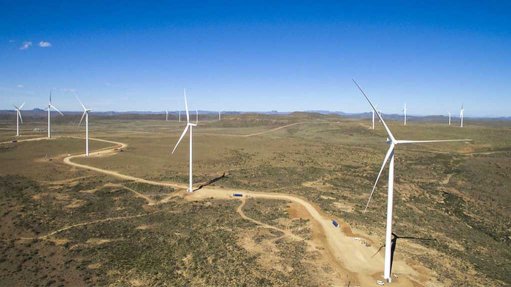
[[166, 115], [219, 115], [449, 118], [86, 115], [461, 115], [51, 106], [179, 115], [18, 118], [190, 126], [404, 114], [390, 156]]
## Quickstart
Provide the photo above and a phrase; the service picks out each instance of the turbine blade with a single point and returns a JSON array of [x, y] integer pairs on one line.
[[379, 116], [186, 108], [84, 108], [19, 114], [55, 108], [83, 115], [387, 156], [180, 138], [431, 141], [21, 107]]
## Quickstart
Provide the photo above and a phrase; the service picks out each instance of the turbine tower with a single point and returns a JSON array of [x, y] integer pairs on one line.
[[166, 115], [18, 118], [449, 118], [461, 115], [373, 118], [86, 115], [219, 115], [179, 115], [390, 156], [190, 126], [51, 106], [404, 113]]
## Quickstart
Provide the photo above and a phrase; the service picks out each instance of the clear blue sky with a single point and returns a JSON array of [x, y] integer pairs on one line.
[[258, 56]]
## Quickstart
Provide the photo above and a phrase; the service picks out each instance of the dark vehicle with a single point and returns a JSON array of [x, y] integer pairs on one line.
[[237, 195], [335, 223]]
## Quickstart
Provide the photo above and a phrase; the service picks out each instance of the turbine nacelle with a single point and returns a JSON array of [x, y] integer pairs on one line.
[[18, 111], [85, 110]]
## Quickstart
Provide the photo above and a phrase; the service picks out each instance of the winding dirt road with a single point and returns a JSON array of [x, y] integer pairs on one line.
[[111, 151]]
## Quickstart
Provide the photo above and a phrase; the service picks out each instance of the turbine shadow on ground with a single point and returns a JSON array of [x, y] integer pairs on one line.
[[211, 181]]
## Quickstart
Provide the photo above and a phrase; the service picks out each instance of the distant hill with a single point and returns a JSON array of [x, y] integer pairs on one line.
[[40, 113]]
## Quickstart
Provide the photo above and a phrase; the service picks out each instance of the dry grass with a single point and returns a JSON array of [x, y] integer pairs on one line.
[[454, 193]]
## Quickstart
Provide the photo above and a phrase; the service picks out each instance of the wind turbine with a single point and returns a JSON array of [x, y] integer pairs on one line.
[[166, 115], [449, 118], [390, 195], [50, 106], [179, 115], [461, 115], [86, 115], [190, 126], [219, 115], [18, 119], [404, 113]]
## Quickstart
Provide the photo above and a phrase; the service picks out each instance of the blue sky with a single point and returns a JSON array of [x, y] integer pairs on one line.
[[258, 55]]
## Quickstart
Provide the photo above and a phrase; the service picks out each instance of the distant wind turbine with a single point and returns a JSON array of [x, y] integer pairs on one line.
[[379, 113], [190, 126], [179, 115], [461, 115], [404, 114], [219, 115], [18, 118], [166, 115], [86, 115], [390, 197], [51, 106], [449, 118], [373, 118]]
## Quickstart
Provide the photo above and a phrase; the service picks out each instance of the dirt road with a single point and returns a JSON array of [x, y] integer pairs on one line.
[[112, 151]]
